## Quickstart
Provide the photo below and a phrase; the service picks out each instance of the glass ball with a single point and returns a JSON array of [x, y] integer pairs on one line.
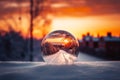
[[59, 47]]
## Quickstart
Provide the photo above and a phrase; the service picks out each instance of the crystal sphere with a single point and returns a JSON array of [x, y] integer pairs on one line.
[[59, 47]]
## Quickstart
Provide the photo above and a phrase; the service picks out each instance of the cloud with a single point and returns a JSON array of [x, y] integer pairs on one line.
[[66, 7], [89, 7], [104, 6], [10, 7]]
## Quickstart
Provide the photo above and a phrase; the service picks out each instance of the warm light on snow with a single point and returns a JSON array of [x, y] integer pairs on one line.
[[60, 57]]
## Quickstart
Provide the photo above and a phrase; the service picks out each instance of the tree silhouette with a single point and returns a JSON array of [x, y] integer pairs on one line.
[[13, 46]]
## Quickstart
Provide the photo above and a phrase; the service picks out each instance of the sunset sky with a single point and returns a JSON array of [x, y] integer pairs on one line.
[[75, 16]]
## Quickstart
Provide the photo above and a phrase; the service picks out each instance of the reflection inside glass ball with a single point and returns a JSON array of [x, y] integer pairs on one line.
[[59, 47]]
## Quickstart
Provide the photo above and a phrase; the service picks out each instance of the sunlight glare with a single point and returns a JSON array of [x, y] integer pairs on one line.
[[74, 25], [82, 25]]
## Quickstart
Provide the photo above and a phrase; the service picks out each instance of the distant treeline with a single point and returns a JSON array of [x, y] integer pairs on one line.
[[107, 47], [13, 46]]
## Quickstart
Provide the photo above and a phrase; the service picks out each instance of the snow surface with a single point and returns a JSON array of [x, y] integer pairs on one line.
[[61, 57], [94, 70], [87, 57]]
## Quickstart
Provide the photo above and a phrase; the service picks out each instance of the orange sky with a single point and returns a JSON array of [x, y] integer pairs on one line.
[[93, 24], [75, 16]]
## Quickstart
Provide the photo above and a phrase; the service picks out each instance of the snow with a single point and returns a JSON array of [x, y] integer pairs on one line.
[[86, 57], [61, 57], [112, 39], [95, 39], [94, 70]]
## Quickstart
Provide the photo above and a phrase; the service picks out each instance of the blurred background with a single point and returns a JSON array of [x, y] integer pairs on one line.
[[24, 23]]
